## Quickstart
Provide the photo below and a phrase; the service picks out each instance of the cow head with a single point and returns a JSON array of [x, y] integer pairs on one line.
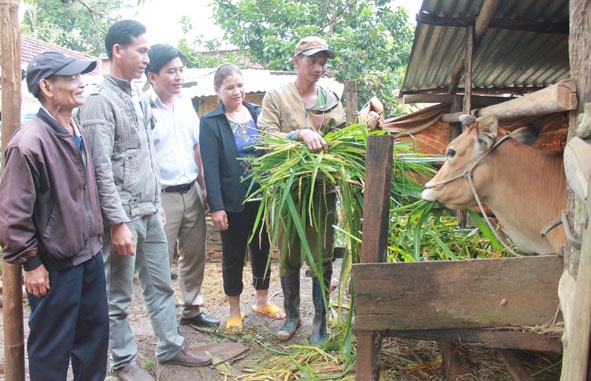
[[463, 154]]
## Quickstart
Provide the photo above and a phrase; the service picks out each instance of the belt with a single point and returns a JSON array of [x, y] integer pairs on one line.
[[183, 188]]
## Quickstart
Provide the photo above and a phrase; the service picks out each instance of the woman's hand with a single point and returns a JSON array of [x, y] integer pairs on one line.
[[220, 219]]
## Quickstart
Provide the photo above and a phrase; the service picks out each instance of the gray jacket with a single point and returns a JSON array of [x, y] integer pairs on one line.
[[122, 147]]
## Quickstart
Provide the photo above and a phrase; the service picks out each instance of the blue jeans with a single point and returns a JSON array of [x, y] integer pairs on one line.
[[153, 272], [70, 323]]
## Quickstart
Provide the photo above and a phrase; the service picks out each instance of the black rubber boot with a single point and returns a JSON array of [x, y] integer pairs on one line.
[[291, 304], [319, 333]]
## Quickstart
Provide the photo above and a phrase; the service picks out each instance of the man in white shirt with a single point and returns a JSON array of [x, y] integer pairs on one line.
[[176, 138]]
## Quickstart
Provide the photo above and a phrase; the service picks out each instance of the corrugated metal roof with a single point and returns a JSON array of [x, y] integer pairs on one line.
[[524, 47]]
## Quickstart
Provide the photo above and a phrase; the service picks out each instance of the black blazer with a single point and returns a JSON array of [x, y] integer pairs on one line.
[[219, 154]]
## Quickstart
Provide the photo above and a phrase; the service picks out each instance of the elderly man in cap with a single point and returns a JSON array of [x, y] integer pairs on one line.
[[303, 110], [51, 224]]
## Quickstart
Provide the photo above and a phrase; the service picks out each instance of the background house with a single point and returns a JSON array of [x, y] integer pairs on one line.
[[30, 47], [199, 86]]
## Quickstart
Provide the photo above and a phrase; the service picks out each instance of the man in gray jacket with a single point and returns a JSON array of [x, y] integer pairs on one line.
[[118, 120]]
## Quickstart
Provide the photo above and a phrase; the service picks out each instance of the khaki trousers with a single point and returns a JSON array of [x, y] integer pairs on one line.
[[185, 227]]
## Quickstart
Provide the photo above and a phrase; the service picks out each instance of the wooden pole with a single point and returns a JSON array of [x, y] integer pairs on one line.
[[374, 247], [576, 362], [468, 83], [352, 108], [576, 355], [560, 97], [14, 344]]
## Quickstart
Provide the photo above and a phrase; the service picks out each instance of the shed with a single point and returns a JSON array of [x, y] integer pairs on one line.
[[523, 59], [516, 48]]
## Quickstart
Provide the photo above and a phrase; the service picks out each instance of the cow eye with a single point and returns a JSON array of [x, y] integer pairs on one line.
[[451, 152]]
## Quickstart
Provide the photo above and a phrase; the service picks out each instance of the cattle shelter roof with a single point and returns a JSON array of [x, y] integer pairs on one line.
[[520, 46]]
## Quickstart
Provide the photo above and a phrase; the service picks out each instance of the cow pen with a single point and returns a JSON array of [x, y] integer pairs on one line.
[[468, 302], [492, 48]]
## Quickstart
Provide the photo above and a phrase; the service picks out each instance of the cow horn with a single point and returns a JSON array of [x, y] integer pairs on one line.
[[467, 120]]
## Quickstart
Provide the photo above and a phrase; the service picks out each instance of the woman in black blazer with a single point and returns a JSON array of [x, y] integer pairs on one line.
[[227, 133]]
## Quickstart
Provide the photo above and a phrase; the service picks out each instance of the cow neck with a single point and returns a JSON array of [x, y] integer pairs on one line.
[[475, 194]]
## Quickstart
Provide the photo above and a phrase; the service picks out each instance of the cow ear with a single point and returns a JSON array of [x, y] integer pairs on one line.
[[528, 134], [487, 130]]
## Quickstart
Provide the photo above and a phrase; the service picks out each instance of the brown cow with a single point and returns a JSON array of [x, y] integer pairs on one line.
[[524, 187]]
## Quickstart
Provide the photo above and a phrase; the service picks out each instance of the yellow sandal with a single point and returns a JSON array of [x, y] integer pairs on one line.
[[234, 324], [271, 310]]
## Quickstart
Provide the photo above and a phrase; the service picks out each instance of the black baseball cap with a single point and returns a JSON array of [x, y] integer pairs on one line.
[[44, 65]]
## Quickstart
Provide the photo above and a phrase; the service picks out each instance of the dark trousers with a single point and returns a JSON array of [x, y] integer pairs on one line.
[[70, 323], [234, 243]]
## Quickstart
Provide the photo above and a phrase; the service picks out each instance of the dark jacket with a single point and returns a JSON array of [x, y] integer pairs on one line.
[[221, 167], [49, 207]]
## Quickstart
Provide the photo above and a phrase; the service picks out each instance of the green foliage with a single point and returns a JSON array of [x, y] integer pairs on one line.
[[422, 231], [204, 53], [372, 40], [72, 24]]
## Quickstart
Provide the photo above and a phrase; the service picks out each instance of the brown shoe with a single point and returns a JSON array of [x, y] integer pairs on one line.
[[133, 372], [186, 357]]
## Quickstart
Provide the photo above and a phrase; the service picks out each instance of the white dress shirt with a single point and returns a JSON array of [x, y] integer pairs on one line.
[[175, 135]]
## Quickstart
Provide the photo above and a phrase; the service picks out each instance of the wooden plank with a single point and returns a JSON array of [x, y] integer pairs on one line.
[[457, 294], [455, 366], [369, 347], [376, 198], [376, 212], [516, 369], [487, 337]]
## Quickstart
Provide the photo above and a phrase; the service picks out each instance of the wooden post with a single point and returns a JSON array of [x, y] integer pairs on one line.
[[576, 352], [14, 344], [376, 211], [576, 356], [351, 110], [468, 83]]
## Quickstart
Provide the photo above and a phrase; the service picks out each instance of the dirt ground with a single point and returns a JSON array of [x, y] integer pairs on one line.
[[263, 358]]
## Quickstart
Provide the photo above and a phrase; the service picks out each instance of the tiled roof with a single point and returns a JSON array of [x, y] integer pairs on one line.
[[30, 47]]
